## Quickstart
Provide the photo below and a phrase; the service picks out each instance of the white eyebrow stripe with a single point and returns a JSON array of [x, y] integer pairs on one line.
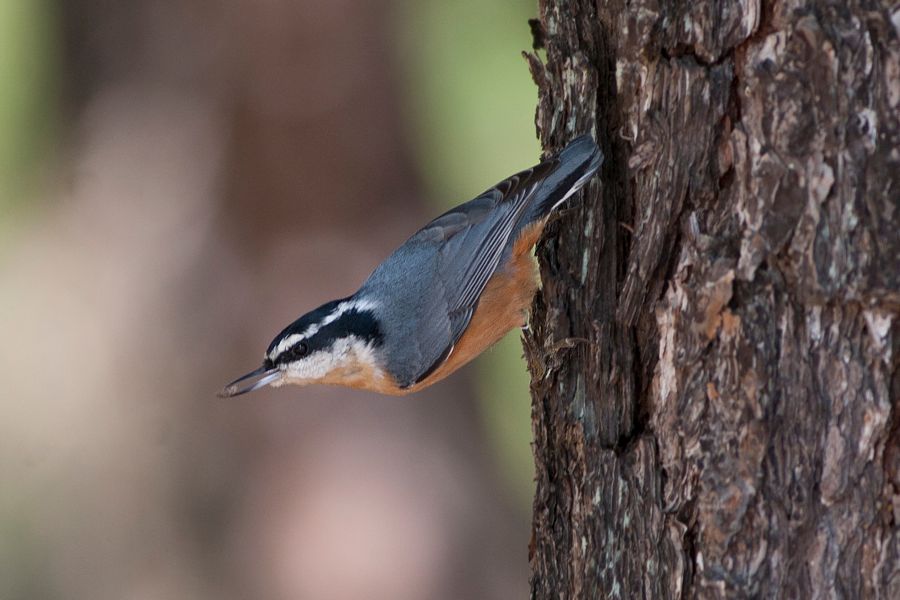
[[341, 309], [361, 304], [284, 345], [315, 327]]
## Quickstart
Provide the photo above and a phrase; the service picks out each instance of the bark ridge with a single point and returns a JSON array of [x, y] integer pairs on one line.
[[715, 354]]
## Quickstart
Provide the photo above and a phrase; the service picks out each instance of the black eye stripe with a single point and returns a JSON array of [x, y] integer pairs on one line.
[[360, 324], [304, 322]]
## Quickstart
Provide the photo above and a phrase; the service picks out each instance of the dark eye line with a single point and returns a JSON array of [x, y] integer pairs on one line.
[[300, 349]]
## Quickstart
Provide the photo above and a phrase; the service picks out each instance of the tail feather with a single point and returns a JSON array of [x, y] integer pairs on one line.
[[577, 163]]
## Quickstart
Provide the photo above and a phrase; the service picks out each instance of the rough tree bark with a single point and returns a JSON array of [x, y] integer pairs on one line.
[[714, 355]]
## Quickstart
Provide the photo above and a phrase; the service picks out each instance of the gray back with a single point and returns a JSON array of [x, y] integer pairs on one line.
[[428, 289]]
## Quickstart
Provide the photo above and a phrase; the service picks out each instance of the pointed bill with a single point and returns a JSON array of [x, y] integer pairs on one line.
[[262, 376]]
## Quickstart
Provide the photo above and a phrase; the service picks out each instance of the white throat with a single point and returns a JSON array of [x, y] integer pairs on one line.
[[347, 359]]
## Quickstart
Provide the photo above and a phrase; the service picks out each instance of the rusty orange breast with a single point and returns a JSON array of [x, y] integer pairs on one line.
[[502, 307]]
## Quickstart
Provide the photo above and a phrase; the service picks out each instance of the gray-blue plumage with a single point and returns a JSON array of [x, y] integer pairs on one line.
[[430, 286]]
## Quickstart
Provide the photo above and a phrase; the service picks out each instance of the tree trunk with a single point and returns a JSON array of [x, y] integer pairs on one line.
[[715, 354]]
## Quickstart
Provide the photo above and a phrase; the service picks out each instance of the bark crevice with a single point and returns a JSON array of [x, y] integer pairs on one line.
[[729, 425]]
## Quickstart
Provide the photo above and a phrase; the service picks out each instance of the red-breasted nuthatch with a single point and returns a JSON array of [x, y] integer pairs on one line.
[[451, 291]]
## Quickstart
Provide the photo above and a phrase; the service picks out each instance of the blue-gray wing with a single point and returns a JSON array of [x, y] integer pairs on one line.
[[471, 240], [433, 282]]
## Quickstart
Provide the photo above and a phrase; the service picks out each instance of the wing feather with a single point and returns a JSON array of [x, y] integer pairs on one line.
[[474, 237]]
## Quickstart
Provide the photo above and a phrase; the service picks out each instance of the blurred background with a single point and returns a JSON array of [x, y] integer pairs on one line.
[[179, 179]]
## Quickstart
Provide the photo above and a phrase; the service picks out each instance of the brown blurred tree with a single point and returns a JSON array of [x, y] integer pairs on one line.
[[244, 162], [715, 353]]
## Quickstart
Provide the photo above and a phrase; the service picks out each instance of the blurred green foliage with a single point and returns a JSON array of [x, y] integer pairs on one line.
[[28, 98], [471, 106], [28, 110], [472, 103]]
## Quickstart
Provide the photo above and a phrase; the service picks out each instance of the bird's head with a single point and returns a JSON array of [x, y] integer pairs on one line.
[[334, 344]]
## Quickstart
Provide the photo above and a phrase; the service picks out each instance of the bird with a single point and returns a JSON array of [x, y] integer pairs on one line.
[[451, 291]]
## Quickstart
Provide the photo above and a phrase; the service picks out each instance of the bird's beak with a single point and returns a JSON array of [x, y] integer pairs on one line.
[[264, 376]]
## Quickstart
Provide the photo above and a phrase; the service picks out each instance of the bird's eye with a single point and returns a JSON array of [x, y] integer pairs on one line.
[[300, 350]]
